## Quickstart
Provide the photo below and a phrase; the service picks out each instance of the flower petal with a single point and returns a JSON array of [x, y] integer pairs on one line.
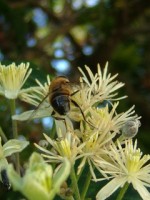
[[143, 192], [28, 115], [109, 188], [13, 146]]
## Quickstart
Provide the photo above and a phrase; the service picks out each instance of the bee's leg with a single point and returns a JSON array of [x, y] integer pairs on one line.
[[81, 113], [59, 118], [34, 112], [74, 92], [48, 106]]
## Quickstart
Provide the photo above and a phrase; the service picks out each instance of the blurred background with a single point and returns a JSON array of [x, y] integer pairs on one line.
[[57, 36]]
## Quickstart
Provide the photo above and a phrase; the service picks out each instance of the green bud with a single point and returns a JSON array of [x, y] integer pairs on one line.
[[39, 182]]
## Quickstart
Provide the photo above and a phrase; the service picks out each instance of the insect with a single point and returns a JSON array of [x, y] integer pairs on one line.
[[60, 97]]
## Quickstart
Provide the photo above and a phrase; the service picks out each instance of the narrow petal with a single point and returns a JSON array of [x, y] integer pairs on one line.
[[143, 192], [109, 188]]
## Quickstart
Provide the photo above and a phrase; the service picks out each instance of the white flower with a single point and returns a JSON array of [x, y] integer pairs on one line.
[[97, 140], [12, 78], [108, 118], [96, 145], [100, 87], [68, 146], [127, 165]]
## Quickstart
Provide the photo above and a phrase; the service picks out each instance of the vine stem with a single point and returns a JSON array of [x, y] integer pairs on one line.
[[86, 186], [15, 131], [74, 184], [122, 191], [2, 134]]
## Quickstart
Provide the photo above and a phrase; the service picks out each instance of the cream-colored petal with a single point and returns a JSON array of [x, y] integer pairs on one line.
[[141, 189], [109, 188], [33, 114]]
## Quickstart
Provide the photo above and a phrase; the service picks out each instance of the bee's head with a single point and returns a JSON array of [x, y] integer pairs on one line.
[[62, 79]]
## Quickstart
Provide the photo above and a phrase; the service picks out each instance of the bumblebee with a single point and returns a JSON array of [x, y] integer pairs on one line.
[[60, 95]]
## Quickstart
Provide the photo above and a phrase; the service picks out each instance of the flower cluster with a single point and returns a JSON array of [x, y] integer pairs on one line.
[[39, 176], [103, 139]]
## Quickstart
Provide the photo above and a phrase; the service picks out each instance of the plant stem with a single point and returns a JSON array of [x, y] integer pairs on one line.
[[122, 191], [74, 184], [15, 131], [79, 175], [86, 186], [2, 134]]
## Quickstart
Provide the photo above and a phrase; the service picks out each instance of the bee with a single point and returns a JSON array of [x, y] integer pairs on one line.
[[60, 97]]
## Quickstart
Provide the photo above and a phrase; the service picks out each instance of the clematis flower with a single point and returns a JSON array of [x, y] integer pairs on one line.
[[108, 123], [88, 143], [126, 165], [12, 78], [68, 146], [106, 118], [39, 181], [100, 87]]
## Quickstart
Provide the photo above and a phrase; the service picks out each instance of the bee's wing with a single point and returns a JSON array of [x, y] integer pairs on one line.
[[37, 108], [76, 86]]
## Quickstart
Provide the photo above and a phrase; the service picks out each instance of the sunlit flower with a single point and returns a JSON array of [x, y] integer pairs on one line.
[[107, 118], [127, 165], [96, 145], [100, 87], [39, 181], [12, 78], [97, 140]]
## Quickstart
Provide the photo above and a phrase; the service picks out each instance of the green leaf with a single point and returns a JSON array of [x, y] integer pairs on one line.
[[13, 146]]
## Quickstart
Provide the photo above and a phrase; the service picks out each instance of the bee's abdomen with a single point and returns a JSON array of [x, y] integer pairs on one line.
[[61, 104]]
